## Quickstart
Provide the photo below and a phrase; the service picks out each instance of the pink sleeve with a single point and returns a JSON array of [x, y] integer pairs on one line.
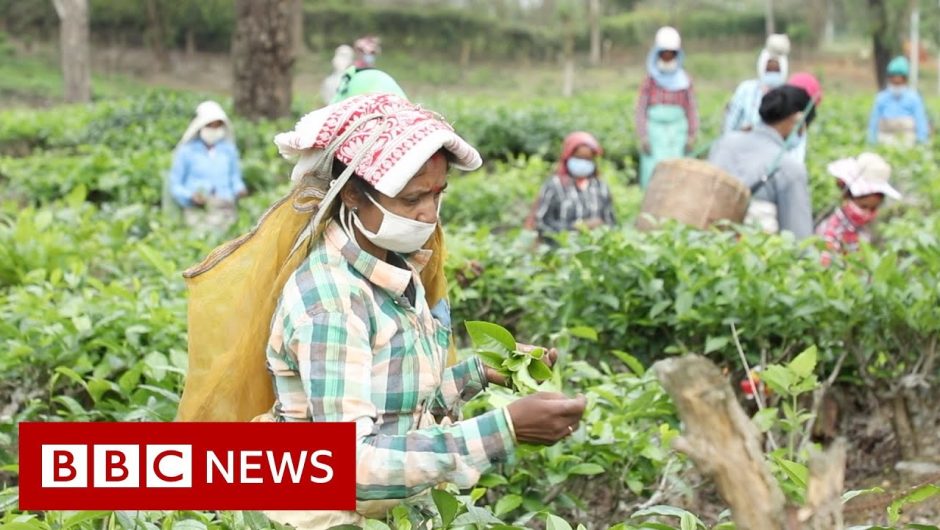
[[691, 111], [642, 103]]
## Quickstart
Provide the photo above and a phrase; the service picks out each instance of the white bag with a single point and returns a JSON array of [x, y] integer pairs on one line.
[[763, 214]]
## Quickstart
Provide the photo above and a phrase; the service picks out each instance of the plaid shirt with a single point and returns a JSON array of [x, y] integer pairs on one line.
[[347, 345], [561, 206], [652, 94], [840, 234]]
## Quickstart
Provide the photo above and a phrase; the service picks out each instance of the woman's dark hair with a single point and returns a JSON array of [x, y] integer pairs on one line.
[[783, 102], [362, 187]]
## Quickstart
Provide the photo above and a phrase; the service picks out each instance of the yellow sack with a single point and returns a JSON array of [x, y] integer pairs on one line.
[[233, 293]]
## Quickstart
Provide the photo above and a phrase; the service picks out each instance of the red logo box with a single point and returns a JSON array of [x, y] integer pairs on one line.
[[187, 466]]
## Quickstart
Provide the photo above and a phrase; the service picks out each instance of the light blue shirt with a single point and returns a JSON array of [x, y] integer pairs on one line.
[[907, 105], [744, 106], [215, 172]]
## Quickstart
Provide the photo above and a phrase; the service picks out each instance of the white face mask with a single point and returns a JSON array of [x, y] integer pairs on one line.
[[897, 90], [212, 135], [397, 233], [667, 66]]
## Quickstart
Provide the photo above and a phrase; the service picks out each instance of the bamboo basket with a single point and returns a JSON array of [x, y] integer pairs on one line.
[[693, 192]]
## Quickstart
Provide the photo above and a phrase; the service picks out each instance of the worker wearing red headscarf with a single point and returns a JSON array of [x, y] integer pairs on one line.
[[574, 196]]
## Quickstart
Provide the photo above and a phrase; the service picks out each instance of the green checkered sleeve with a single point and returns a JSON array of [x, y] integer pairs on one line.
[[335, 363]]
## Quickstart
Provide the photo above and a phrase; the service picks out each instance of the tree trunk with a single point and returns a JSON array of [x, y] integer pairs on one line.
[[263, 58], [190, 42], [158, 36], [885, 43], [567, 89], [297, 28], [817, 15], [769, 23], [76, 55], [915, 44], [829, 29], [594, 18], [466, 47]]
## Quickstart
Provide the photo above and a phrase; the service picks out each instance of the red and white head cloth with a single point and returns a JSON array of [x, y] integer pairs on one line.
[[382, 138], [388, 137]]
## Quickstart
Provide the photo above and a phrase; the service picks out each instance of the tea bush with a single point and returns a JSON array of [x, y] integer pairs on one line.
[[92, 307]]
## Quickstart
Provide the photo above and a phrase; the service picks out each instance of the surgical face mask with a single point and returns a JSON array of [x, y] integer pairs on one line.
[[368, 59], [897, 90], [212, 135], [667, 66], [857, 215], [772, 79], [397, 233], [580, 167]]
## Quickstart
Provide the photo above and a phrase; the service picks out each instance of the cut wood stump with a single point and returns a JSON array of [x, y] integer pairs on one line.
[[726, 446]]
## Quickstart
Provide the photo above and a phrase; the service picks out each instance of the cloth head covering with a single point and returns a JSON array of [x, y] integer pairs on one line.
[[369, 44], [382, 138], [343, 58], [863, 175], [899, 66], [571, 144], [668, 39], [206, 113], [809, 83], [777, 48], [778, 45], [357, 81]]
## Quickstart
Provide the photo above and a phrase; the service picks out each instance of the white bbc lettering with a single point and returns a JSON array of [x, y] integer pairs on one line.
[[169, 466], [250, 466], [116, 466], [287, 462], [65, 466], [325, 468], [227, 470]]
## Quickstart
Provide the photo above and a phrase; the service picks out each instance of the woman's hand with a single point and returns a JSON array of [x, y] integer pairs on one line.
[[495, 378], [551, 354], [546, 417]]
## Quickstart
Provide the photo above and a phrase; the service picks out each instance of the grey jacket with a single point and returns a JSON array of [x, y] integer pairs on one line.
[[748, 156]]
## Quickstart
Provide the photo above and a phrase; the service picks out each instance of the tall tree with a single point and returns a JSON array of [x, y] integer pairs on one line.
[[594, 20], [770, 25], [76, 55], [263, 57], [297, 28], [157, 34], [885, 36]]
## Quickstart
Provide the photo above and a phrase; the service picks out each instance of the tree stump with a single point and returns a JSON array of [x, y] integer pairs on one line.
[[726, 446]]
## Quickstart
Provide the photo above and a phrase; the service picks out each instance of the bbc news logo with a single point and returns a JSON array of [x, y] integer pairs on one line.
[[117, 466], [187, 466]]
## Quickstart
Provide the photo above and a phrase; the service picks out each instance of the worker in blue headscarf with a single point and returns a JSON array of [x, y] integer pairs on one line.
[[898, 116]]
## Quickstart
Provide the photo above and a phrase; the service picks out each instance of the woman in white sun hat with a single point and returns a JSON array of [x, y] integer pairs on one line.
[[864, 181], [205, 179], [353, 339]]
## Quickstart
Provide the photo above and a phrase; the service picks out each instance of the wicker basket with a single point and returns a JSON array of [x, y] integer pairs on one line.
[[693, 192]]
